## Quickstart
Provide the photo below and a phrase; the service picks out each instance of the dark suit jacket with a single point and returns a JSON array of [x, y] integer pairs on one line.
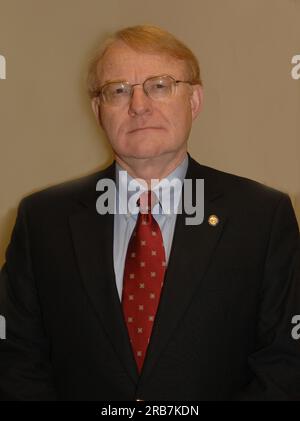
[[223, 326]]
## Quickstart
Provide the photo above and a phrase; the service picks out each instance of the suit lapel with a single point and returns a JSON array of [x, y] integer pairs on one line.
[[93, 242], [192, 250]]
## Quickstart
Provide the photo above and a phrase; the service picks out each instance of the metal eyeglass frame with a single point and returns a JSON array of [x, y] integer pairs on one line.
[[175, 81]]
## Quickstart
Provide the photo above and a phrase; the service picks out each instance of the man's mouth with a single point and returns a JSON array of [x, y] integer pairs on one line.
[[144, 128]]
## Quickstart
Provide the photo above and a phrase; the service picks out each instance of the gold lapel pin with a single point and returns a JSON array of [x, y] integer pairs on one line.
[[213, 220]]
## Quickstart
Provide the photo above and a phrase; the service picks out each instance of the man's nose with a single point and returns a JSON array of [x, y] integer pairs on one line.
[[139, 103]]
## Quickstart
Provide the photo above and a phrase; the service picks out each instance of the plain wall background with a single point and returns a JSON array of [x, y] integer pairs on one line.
[[250, 125]]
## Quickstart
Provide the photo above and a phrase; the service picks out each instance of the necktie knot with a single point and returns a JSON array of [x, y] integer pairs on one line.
[[147, 201]]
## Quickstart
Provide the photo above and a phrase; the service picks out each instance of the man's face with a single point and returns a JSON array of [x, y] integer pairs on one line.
[[147, 128]]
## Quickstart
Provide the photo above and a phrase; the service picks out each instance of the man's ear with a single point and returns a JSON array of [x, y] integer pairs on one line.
[[196, 100], [96, 109]]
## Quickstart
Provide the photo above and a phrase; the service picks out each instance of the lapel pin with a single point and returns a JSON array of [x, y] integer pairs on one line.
[[213, 220]]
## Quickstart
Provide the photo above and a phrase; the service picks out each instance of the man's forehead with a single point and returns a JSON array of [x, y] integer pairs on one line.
[[121, 60]]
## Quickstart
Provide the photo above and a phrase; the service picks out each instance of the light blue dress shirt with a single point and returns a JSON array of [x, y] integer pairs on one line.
[[125, 221]]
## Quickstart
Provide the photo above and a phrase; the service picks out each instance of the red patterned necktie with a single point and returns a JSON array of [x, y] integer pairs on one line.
[[144, 272]]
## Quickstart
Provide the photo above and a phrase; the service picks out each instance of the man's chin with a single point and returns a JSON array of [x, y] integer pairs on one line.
[[144, 150], [145, 154]]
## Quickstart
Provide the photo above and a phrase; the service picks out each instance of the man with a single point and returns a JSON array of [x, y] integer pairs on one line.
[[146, 306]]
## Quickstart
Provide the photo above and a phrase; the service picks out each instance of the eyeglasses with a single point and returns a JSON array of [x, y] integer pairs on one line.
[[156, 88]]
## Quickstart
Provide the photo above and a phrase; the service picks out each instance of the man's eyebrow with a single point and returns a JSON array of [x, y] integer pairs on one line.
[[113, 81]]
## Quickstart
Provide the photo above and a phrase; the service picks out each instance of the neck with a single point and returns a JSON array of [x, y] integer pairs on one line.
[[151, 168]]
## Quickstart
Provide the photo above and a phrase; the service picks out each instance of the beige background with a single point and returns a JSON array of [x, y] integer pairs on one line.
[[250, 124]]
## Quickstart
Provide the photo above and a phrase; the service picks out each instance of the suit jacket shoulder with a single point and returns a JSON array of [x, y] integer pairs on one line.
[[67, 195], [231, 183]]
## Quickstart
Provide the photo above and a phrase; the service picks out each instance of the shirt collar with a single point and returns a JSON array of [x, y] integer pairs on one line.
[[164, 205]]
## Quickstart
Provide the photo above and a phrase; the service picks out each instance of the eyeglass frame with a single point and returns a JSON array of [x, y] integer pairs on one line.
[[175, 82]]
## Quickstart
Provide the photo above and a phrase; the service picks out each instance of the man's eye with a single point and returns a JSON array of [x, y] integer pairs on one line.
[[159, 86], [119, 91]]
